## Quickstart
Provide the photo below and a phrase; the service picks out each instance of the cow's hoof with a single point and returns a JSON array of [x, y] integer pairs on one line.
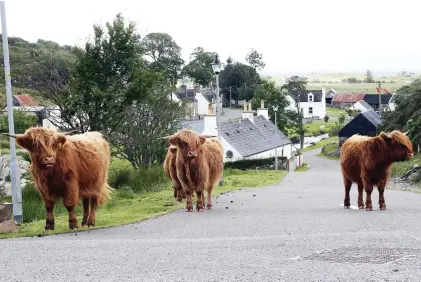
[[383, 208], [347, 207], [361, 207], [73, 224], [368, 208], [209, 206], [199, 209], [91, 223], [49, 224], [189, 209]]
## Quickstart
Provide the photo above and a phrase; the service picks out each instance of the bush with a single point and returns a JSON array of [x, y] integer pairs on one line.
[[142, 180], [341, 118], [326, 118]]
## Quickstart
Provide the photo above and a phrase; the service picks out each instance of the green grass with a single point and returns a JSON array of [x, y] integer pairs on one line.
[[400, 168], [334, 112], [329, 148], [321, 143], [127, 206], [303, 168]]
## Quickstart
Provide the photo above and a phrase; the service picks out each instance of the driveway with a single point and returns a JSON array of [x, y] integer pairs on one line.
[[295, 231]]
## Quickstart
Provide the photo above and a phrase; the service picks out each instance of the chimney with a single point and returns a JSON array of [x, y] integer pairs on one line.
[[247, 114], [210, 126], [263, 111]]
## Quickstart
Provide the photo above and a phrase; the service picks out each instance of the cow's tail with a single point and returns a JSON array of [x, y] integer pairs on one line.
[[106, 193]]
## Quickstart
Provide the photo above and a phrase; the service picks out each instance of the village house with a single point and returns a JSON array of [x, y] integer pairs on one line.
[[330, 95], [365, 123], [373, 101], [312, 104], [361, 106], [251, 137], [205, 97], [186, 96], [346, 100]]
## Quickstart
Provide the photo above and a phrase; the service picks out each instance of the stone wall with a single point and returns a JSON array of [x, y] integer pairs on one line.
[[24, 167]]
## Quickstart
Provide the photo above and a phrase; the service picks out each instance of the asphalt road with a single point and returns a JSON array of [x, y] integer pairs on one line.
[[295, 231]]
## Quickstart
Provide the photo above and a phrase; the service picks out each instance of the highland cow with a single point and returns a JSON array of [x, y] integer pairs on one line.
[[73, 168], [171, 172], [199, 164], [367, 161]]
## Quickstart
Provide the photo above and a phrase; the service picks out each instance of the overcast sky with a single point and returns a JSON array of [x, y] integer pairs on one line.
[[292, 35]]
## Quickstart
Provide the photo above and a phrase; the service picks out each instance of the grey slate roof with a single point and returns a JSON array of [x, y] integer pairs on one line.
[[252, 138], [186, 94], [208, 94], [365, 105], [318, 94], [373, 117]]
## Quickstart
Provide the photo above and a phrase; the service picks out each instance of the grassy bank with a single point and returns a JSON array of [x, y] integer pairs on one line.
[[140, 195], [321, 143]]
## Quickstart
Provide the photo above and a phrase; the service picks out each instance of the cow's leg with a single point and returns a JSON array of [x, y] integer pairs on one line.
[[199, 201], [189, 202], [92, 215], [209, 204], [382, 202], [49, 222], [347, 200], [72, 216], [368, 190], [360, 196], [85, 211], [70, 201]]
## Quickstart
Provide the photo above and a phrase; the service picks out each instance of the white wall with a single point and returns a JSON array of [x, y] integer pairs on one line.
[[358, 106], [202, 104], [235, 154], [319, 109], [287, 152]]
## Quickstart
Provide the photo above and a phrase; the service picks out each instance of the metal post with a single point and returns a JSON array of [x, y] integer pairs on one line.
[[380, 99], [14, 168], [276, 148], [230, 96], [221, 181]]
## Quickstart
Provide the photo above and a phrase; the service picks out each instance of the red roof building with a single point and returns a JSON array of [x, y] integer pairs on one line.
[[24, 101]]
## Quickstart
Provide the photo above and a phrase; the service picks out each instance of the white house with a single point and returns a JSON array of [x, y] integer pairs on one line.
[[362, 106], [251, 137], [312, 103], [392, 103], [204, 97]]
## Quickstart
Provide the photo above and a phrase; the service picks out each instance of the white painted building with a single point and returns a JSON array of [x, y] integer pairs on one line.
[[251, 137], [204, 97], [312, 103], [392, 103]]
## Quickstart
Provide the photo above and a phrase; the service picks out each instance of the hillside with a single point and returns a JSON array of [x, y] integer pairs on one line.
[[23, 57]]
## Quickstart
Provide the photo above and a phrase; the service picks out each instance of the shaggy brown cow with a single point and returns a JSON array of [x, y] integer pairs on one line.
[[171, 172], [68, 167], [367, 161], [199, 163]]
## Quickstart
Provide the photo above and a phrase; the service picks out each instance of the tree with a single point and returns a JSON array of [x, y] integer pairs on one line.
[[341, 118], [164, 53], [295, 86], [109, 75], [138, 137], [242, 79], [272, 95], [407, 114], [199, 69], [369, 77], [254, 59]]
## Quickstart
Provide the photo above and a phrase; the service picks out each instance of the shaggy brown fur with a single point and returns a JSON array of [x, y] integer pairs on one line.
[[73, 168], [367, 161], [171, 172], [199, 163]]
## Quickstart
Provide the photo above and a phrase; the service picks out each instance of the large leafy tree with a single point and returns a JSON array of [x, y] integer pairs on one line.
[[295, 86], [108, 76], [165, 54], [199, 68], [255, 60], [407, 114], [273, 96]]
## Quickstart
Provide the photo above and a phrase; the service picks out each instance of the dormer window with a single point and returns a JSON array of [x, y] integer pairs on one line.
[[310, 97]]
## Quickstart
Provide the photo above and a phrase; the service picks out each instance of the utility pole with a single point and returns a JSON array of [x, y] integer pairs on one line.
[[230, 96], [380, 98], [14, 168]]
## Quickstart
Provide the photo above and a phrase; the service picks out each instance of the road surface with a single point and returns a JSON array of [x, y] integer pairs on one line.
[[295, 231]]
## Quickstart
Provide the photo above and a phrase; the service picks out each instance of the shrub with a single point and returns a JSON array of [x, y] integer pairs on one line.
[[142, 180], [326, 118], [341, 118]]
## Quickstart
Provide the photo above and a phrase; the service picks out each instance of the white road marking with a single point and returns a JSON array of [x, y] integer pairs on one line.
[[352, 207]]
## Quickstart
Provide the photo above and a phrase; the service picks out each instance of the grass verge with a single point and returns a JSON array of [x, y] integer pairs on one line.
[[321, 143], [303, 168], [127, 207]]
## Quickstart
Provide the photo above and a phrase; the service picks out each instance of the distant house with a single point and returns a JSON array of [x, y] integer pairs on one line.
[[364, 123], [362, 106], [330, 95], [346, 100], [373, 101], [312, 103], [392, 103], [251, 137], [24, 101], [204, 97], [187, 96]]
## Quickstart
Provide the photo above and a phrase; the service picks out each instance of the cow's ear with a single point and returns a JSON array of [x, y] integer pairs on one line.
[[24, 141], [173, 140], [202, 140], [61, 139]]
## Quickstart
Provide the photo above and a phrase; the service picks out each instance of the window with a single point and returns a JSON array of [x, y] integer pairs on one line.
[[229, 154], [310, 110], [310, 97]]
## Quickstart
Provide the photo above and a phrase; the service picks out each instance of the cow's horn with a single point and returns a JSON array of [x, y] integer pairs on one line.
[[166, 137], [10, 135], [209, 136], [406, 132]]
